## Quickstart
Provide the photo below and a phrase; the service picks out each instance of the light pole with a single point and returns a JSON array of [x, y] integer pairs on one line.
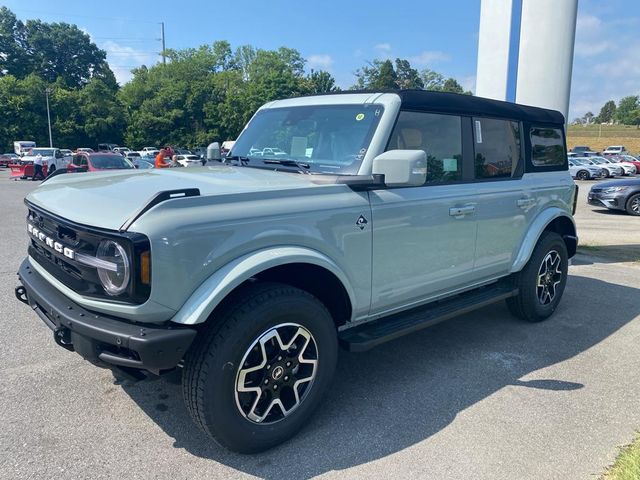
[[47, 91]]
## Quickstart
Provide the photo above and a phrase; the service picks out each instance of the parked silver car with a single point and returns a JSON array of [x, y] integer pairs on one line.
[[584, 171]]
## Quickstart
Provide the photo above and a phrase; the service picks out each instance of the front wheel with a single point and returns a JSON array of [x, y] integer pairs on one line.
[[633, 205], [583, 175], [542, 281], [260, 370]]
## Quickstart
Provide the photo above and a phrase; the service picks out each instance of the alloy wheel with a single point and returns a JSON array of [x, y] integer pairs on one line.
[[635, 206], [276, 373], [549, 277]]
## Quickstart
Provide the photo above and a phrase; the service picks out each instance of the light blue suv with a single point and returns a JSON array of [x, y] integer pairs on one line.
[[336, 220]]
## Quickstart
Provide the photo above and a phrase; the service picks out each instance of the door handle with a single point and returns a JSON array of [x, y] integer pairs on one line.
[[526, 202], [462, 211]]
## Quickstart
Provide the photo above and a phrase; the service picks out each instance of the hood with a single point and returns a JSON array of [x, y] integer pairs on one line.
[[31, 158], [634, 182], [109, 199]]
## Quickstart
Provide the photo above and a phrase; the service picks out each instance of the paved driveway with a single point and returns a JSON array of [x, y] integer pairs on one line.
[[481, 396]]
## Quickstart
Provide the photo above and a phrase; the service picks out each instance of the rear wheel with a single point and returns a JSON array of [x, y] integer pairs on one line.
[[258, 373], [541, 282], [633, 205], [583, 175]]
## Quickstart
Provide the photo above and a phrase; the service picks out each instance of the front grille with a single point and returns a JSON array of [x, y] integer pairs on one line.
[[59, 242], [80, 278]]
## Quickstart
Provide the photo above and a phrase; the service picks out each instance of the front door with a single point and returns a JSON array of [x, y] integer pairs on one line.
[[424, 237]]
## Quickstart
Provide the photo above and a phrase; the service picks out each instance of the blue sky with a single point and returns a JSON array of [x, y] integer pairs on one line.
[[340, 36]]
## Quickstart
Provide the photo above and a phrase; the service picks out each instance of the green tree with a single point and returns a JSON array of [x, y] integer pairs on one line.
[[452, 85], [432, 80], [377, 75], [587, 118], [408, 77], [607, 112], [626, 113], [321, 82], [52, 51]]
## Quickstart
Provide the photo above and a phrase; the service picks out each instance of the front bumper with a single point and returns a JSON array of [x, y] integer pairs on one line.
[[606, 200], [103, 340]]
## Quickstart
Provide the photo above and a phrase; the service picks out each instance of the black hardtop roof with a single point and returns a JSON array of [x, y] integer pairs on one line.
[[467, 104], [445, 102]]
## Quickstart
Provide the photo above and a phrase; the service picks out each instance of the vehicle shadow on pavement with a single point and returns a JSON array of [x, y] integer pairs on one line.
[[624, 253], [403, 392]]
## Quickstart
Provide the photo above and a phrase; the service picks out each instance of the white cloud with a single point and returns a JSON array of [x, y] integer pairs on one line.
[[428, 57], [468, 83], [320, 61], [383, 47], [122, 59], [606, 64]]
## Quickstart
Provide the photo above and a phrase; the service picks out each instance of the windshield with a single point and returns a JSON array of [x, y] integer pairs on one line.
[[45, 152], [107, 162], [328, 138]]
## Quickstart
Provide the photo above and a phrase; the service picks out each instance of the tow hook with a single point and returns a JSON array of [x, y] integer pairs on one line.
[[21, 294], [62, 336]]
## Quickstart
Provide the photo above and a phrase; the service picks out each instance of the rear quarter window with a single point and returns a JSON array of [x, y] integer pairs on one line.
[[547, 147]]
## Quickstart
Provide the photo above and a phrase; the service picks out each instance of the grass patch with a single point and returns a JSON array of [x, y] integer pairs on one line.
[[627, 465]]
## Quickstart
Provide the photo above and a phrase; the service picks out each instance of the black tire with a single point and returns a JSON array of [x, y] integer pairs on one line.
[[51, 170], [583, 175], [633, 205], [212, 367], [528, 304], [606, 173]]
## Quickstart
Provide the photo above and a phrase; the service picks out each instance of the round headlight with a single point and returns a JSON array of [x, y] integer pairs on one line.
[[115, 279]]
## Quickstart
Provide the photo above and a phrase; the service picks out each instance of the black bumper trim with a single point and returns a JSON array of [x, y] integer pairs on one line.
[[157, 347]]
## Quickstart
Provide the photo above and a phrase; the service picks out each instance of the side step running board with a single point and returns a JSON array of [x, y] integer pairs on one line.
[[368, 335]]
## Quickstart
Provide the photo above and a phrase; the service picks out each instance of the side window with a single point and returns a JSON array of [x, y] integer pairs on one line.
[[75, 159], [547, 147], [496, 148], [440, 136]]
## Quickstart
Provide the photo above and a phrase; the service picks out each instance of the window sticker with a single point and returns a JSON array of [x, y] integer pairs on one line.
[[478, 132], [298, 146], [360, 117], [449, 165]]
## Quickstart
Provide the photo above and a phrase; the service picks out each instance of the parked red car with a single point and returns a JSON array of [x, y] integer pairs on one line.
[[8, 158], [630, 159], [99, 161]]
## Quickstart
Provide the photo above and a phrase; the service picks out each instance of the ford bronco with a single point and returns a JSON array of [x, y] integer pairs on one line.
[[336, 220]]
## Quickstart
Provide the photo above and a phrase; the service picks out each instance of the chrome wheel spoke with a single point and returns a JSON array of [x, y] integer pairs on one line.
[[549, 277], [276, 373]]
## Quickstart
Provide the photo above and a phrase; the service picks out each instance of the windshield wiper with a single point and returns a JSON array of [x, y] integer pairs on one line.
[[303, 167]]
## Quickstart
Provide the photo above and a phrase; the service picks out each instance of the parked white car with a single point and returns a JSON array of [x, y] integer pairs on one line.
[[584, 171], [52, 157], [608, 169], [627, 168], [614, 150], [189, 160]]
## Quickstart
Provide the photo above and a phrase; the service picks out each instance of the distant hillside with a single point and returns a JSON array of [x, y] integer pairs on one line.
[[599, 137]]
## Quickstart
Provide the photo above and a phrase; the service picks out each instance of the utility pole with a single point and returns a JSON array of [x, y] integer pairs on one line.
[[47, 91], [164, 59]]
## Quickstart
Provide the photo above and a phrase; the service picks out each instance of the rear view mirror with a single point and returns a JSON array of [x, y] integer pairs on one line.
[[401, 168]]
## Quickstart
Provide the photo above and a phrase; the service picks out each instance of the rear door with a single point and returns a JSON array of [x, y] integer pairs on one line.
[[424, 237], [506, 203]]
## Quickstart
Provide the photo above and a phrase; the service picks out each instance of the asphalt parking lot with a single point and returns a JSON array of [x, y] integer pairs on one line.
[[482, 396]]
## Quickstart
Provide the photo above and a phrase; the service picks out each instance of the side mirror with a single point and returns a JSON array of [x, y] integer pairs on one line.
[[402, 168]]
